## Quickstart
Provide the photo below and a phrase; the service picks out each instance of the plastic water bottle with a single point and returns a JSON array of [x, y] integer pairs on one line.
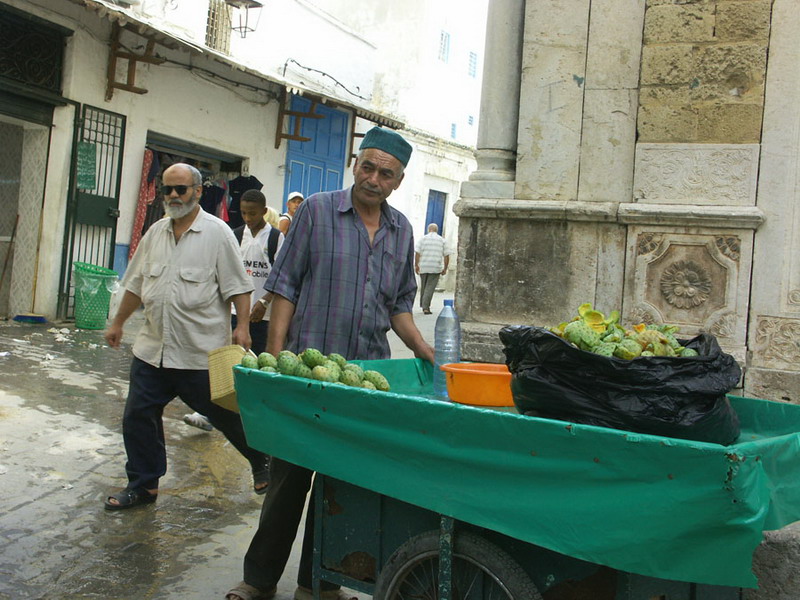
[[447, 346]]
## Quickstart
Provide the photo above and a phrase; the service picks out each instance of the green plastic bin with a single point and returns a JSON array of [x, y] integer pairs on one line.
[[93, 288]]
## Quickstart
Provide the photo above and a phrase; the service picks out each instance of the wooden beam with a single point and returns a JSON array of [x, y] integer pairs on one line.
[[298, 120], [115, 53]]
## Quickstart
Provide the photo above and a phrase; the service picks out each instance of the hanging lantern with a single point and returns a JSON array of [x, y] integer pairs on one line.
[[246, 16]]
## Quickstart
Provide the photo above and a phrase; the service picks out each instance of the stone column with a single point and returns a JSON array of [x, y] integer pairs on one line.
[[499, 117]]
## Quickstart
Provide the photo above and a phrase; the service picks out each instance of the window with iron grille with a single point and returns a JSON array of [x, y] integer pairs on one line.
[[218, 27], [453, 130], [472, 66], [31, 49], [444, 46]]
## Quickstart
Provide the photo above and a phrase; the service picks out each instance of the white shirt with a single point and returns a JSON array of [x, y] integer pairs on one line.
[[255, 258], [432, 249], [185, 288]]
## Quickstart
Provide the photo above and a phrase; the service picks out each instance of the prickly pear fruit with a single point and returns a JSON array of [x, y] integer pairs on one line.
[[628, 349], [605, 349], [287, 362], [581, 334], [378, 380], [338, 359], [312, 357], [333, 367], [249, 361], [368, 385], [349, 377], [323, 374], [355, 369], [303, 370], [265, 359]]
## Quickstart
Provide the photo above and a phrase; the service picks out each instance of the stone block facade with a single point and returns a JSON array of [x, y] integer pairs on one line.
[[657, 171], [645, 124], [703, 71]]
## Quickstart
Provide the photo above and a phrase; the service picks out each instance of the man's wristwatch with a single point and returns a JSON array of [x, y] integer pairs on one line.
[[263, 302]]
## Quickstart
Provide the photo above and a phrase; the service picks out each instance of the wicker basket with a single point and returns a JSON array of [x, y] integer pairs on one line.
[[220, 374]]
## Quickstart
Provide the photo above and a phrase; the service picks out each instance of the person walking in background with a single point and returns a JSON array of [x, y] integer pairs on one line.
[[431, 259], [272, 217], [186, 272], [344, 277], [259, 243], [292, 204]]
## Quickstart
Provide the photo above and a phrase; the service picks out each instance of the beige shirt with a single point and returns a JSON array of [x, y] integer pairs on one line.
[[185, 289]]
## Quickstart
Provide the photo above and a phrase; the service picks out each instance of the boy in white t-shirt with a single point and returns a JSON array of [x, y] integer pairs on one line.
[[259, 243]]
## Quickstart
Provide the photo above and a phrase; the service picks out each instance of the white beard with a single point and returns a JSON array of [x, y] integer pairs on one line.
[[178, 212]]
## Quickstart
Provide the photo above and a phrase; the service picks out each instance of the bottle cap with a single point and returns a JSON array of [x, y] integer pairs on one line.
[[448, 302]]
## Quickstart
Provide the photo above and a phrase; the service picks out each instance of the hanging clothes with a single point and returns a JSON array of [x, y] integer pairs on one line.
[[237, 187], [147, 193], [222, 208], [212, 197]]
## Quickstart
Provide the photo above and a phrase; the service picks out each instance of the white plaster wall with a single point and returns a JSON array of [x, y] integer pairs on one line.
[[181, 104], [193, 106], [297, 30], [401, 43]]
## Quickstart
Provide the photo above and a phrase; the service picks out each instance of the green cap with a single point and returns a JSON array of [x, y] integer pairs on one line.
[[389, 141]]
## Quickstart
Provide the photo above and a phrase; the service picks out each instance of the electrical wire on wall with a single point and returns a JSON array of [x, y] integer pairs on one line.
[[324, 74]]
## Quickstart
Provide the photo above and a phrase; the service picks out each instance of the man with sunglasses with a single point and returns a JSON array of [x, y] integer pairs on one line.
[[186, 272]]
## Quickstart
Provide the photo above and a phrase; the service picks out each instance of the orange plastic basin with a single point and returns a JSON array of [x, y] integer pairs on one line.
[[479, 384]]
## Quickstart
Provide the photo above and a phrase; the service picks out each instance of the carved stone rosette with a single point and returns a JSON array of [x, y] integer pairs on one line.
[[692, 279], [685, 284]]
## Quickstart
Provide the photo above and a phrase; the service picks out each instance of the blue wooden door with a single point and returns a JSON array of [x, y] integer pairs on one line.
[[316, 165], [437, 201]]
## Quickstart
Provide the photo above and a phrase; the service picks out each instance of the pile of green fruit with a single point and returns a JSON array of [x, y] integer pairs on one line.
[[593, 332], [313, 364]]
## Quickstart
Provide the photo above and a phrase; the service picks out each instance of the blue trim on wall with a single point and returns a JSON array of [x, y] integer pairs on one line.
[[121, 258]]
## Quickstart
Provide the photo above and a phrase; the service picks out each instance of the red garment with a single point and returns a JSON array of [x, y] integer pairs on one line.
[[147, 193]]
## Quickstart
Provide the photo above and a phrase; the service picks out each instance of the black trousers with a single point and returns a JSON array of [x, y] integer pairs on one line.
[[151, 389], [277, 527]]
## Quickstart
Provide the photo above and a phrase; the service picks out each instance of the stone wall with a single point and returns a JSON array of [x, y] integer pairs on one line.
[[638, 158], [657, 169], [703, 71]]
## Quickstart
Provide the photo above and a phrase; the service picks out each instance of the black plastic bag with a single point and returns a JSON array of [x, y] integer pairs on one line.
[[670, 396]]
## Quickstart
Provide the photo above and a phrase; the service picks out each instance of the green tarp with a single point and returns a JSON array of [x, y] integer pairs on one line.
[[655, 506]]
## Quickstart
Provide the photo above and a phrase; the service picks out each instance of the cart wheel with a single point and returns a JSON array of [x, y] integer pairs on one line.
[[481, 571]]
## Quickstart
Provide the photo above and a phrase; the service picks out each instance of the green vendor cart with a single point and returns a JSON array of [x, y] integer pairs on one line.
[[418, 498]]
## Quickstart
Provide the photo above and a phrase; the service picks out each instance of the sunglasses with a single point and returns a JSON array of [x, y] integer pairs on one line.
[[180, 189]]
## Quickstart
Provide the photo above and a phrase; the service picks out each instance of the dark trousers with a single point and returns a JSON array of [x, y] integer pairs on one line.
[[258, 335], [277, 527], [151, 389], [427, 285]]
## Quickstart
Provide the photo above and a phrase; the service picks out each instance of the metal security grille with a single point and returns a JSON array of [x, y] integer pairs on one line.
[[218, 27], [93, 208], [30, 51]]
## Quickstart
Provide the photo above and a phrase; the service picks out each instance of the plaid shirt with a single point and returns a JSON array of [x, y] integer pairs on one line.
[[343, 289]]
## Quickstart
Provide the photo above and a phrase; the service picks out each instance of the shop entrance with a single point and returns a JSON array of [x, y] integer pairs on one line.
[[23, 155]]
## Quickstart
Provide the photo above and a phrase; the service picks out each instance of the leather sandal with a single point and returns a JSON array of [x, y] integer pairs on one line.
[[261, 480], [304, 593], [129, 498], [245, 591]]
